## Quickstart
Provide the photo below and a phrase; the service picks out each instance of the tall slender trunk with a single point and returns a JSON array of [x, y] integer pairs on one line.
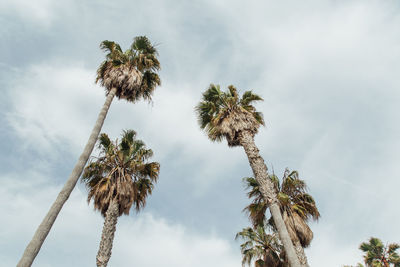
[[268, 191], [44, 228], [107, 236], [300, 253]]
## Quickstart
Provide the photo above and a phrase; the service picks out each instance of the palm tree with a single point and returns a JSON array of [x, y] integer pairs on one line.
[[379, 255], [130, 75], [297, 207], [223, 115], [120, 177], [265, 249]]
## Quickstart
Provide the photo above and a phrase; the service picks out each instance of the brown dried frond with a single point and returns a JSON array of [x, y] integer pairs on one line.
[[271, 261], [236, 121], [125, 78], [298, 228], [119, 188]]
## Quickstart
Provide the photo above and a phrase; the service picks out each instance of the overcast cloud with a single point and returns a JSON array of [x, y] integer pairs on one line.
[[328, 71]]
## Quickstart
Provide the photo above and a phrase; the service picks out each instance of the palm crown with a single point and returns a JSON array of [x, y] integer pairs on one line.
[[121, 173], [265, 249], [296, 204], [133, 72], [225, 114], [379, 255]]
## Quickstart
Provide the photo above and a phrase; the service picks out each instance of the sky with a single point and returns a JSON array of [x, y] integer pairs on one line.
[[328, 73]]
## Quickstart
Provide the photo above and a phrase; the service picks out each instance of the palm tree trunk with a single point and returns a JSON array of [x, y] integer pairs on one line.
[[300, 253], [268, 191], [107, 236], [44, 228]]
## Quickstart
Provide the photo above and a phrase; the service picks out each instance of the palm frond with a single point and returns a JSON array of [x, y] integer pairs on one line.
[[133, 72], [143, 44], [259, 245], [128, 136], [110, 47], [104, 142], [223, 116], [393, 247], [121, 173], [249, 97], [297, 205]]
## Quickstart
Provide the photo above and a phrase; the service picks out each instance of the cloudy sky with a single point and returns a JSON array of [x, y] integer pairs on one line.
[[329, 74]]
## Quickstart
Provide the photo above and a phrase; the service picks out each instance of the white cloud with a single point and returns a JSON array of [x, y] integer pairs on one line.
[[54, 108], [154, 242], [53, 103], [142, 239], [345, 253], [40, 12]]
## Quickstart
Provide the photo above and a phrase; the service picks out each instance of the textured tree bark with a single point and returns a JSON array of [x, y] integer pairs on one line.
[[44, 228], [300, 253], [268, 191], [107, 236]]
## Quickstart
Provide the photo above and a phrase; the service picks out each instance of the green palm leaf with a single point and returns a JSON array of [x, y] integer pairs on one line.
[[121, 173], [133, 72], [293, 200], [223, 115]]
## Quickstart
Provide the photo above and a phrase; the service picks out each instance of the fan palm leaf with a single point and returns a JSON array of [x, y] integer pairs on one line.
[[296, 204], [377, 254], [132, 73], [259, 247], [223, 114]]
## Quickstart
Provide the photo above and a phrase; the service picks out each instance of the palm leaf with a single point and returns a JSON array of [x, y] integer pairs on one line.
[[121, 173]]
